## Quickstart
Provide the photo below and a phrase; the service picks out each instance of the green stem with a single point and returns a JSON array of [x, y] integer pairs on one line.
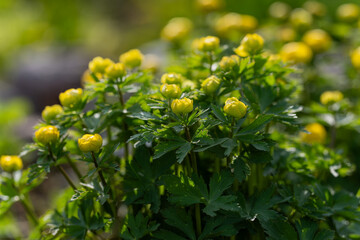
[[125, 126], [66, 176], [74, 167], [99, 170], [210, 62], [229, 158]]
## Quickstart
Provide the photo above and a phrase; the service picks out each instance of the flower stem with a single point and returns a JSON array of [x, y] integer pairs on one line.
[[211, 60], [66, 176], [125, 126], [99, 170], [74, 167]]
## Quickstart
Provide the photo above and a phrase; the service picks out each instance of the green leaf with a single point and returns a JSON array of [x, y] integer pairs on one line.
[[138, 227], [278, 229], [165, 147], [256, 125], [218, 113], [308, 230], [241, 169], [183, 151], [217, 227], [181, 220], [211, 144]]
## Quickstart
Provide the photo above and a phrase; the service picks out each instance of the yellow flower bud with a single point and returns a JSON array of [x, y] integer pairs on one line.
[[48, 134], [287, 34], [348, 12], [170, 90], [86, 78], [209, 43], [279, 10], [189, 84], [296, 52], [318, 40], [227, 63], [177, 30], [251, 44], [184, 105], [115, 70], [235, 108], [11, 163], [317, 134], [71, 97], [300, 18], [171, 78], [132, 58], [211, 84], [317, 9], [330, 97], [240, 50], [355, 58], [99, 64], [51, 112], [232, 24], [210, 5], [90, 142]]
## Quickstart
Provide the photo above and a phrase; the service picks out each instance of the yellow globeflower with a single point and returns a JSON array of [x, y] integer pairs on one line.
[[99, 64], [348, 12], [210, 5], [296, 52], [172, 78], [115, 70], [132, 58], [235, 108], [330, 97], [318, 40], [287, 34], [227, 63], [180, 106], [355, 58], [170, 90], [51, 112], [279, 10], [11, 163], [71, 97], [317, 9], [209, 43], [48, 134], [90, 142], [86, 78], [317, 133], [250, 45], [232, 24], [211, 84], [177, 29], [300, 18]]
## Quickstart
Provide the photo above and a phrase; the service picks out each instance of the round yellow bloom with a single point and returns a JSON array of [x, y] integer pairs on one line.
[[71, 97], [210, 5], [90, 142], [317, 133], [250, 45], [355, 58], [211, 84], [172, 78], [227, 63], [48, 134], [348, 12], [330, 97], [300, 18], [51, 112], [132, 58], [184, 105], [177, 29], [232, 24], [318, 40], [317, 9], [287, 34], [115, 70], [86, 78], [99, 64], [296, 52], [170, 90], [279, 10], [209, 43], [11, 163], [235, 108]]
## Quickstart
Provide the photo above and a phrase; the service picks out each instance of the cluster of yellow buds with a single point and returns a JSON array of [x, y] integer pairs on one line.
[[355, 58], [99, 64], [348, 12], [182, 106], [227, 63], [250, 45], [170, 91], [51, 112], [115, 70], [235, 108], [296, 52], [318, 40], [46, 135], [211, 84], [90, 142], [71, 98], [177, 30], [317, 134], [10, 163], [233, 24], [330, 97], [132, 58]]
